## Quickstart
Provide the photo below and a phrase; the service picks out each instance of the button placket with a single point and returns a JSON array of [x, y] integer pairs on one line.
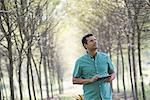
[[95, 63]]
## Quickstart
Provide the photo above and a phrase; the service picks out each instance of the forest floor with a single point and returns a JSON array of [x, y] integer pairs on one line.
[[116, 96], [72, 92], [120, 96]]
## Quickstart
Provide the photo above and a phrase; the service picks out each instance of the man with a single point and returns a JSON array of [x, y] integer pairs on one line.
[[94, 70]]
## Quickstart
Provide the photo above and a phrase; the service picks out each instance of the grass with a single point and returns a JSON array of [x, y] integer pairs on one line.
[[66, 98], [147, 92], [76, 97]]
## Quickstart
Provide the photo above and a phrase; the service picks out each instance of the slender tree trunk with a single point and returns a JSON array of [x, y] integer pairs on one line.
[[20, 78], [52, 94], [0, 93], [59, 79], [4, 92], [53, 68], [5, 95], [20, 51], [10, 67], [59, 85], [132, 25], [130, 67], [62, 87], [123, 69], [133, 62], [51, 77], [9, 46], [46, 76], [52, 64], [118, 89], [20, 64], [140, 64], [28, 70], [0, 80], [33, 88], [39, 79]]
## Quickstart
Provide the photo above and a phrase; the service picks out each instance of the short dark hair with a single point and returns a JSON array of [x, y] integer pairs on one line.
[[84, 40]]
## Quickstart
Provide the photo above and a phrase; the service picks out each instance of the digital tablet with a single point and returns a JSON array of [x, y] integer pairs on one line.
[[104, 77]]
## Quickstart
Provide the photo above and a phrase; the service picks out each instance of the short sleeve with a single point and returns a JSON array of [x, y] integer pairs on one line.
[[77, 70], [110, 66]]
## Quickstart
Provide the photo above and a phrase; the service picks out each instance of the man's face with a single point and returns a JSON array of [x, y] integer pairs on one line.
[[91, 43]]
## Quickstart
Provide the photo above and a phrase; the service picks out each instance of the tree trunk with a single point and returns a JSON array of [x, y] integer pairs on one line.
[[20, 78], [10, 67], [130, 67], [132, 26], [28, 70], [52, 66], [123, 69], [21, 50], [9, 46], [51, 78], [59, 79], [62, 87], [0, 93], [139, 60], [133, 62], [52, 94], [20, 63], [118, 89], [0, 80], [33, 88], [46, 76], [59, 85], [4, 92], [39, 79]]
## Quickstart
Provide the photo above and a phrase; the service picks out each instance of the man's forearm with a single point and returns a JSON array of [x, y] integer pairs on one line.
[[81, 81]]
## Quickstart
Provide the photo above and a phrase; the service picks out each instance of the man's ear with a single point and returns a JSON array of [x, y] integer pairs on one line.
[[85, 45]]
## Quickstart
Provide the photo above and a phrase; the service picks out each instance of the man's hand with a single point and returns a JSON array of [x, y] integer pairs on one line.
[[95, 78], [112, 77]]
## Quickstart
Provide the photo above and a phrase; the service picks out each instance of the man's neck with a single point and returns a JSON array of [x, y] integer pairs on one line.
[[92, 53]]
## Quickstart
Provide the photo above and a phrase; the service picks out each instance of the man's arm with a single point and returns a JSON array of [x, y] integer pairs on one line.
[[84, 81]]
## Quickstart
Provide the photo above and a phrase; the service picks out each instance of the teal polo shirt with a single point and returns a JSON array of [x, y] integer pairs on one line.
[[86, 67]]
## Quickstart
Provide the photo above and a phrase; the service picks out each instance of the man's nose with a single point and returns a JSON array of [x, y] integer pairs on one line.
[[95, 41]]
